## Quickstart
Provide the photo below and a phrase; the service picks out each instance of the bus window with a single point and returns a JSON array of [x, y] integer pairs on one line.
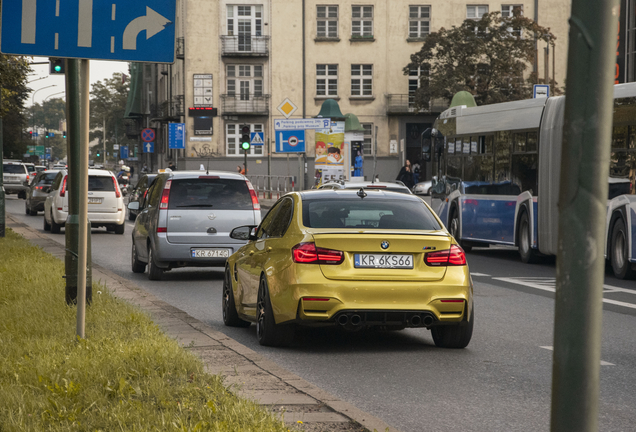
[[466, 146], [532, 142], [503, 141], [524, 172], [454, 165], [619, 137], [519, 142]]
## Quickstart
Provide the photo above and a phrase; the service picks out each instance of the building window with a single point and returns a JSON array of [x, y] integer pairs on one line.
[[476, 12], [244, 20], [244, 80], [415, 81], [507, 10], [419, 21], [362, 21], [233, 136], [327, 21], [361, 80], [326, 80], [368, 139]]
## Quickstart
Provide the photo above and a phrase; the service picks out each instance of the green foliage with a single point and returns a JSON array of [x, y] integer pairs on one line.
[[487, 57], [126, 375], [13, 93]]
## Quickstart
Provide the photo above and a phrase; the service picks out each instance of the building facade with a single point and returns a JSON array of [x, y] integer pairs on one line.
[[238, 61]]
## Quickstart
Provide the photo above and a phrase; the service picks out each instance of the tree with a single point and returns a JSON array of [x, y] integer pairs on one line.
[[486, 57], [13, 85], [108, 102]]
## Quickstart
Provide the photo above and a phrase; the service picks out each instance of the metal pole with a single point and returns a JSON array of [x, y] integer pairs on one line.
[[269, 167], [104, 139], [375, 153], [245, 161], [2, 194], [582, 212]]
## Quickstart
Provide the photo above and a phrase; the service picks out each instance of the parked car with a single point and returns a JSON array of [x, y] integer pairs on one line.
[[16, 177], [424, 187], [138, 193], [105, 202], [354, 259], [38, 191], [186, 218], [396, 186]]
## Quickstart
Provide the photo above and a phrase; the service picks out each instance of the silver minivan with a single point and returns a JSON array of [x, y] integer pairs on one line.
[[186, 218]]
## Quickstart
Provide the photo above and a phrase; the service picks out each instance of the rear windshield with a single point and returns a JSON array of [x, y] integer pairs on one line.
[[30, 168], [368, 214], [13, 169], [216, 193], [47, 179], [101, 184]]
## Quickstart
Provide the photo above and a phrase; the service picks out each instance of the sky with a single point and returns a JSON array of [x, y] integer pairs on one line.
[[99, 70]]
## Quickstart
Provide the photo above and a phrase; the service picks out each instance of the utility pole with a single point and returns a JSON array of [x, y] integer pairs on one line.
[[583, 194], [2, 194]]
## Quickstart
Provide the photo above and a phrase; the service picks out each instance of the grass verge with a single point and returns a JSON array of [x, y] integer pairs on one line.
[[126, 376]]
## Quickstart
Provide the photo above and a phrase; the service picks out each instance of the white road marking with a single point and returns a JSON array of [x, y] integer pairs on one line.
[[549, 284], [479, 274], [603, 363]]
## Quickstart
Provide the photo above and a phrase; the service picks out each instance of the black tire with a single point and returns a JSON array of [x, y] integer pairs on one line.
[[137, 266], [34, 212], [268, 332], [230, 315], [454, 230], [454, 336], [119, 229], [528, 255], [47, 226], [26, 209], [55, 227], [618, 252], [22, 195], [154, 272], [131, 216]]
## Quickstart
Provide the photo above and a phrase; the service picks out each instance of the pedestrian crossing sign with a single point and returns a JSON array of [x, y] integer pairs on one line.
[[256, 138]]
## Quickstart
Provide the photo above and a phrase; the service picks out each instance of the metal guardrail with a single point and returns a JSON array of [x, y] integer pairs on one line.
[[245, 104], [245, 45], [405, 104], [272, 186]]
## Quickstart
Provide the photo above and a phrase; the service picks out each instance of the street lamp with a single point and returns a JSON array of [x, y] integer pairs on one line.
[[33, 111], [47, 98]]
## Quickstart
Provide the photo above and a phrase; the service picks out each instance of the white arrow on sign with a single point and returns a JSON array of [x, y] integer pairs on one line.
[[148, 147], [152, 23]]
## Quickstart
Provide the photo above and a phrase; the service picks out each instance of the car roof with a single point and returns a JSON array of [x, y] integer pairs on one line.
[[91, 171], [327, 194], [358, 185], [199, 173]]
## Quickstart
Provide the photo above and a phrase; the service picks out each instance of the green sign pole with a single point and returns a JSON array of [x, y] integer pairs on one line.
[[2, 194], [583, 194]]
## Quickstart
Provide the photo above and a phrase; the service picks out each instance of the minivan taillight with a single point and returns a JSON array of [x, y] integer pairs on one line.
[[450, 257], [308, 253], [63, 190], [255, 204], [117, 191], [165, 196]]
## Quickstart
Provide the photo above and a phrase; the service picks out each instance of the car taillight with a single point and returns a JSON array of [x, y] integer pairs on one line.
[[308, 253], [117, 191], [165, 196], [451, 257], [255, 204], [63, 190], [473, 202], [27, 177]]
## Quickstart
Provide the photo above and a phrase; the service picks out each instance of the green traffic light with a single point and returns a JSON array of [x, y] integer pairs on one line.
[[245, 145], [58, 68]]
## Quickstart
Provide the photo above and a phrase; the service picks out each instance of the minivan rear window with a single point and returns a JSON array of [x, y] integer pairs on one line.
[[209, 193], [47, 179], [368, 214], [101, 184], [13, 169]]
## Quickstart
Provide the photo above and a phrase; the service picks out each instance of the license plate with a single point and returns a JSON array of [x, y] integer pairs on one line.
[[210, 253], [92, 200], [383, 261], [12, 179]]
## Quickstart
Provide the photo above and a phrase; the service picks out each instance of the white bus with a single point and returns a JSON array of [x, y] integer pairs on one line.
[[499, 167]]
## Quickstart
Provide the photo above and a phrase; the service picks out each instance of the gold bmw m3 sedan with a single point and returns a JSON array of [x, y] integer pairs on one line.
[[355, 259]]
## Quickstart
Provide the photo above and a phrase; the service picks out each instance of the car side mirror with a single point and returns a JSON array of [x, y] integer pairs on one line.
[[133, 205], [245, 232]]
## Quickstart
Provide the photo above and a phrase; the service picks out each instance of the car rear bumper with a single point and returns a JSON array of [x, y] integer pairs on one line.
[[15, 188], [180, 255], [96, 219]]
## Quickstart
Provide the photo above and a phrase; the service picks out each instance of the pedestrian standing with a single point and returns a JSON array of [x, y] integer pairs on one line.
[[406, 175], [171, 166]]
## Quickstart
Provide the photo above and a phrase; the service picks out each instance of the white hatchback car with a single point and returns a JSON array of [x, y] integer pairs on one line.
[[105, 202]]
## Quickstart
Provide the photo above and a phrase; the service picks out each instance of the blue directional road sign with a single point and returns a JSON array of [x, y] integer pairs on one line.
[[123, 151], [124, 30], [176, 135], [149, 147], [290, 141], [256, 138]]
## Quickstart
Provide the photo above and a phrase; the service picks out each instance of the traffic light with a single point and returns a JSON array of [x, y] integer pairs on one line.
[[245, 137], [56, 66], [31, 134], [98, 153], [47, 134], [63, 134], [427, 144]]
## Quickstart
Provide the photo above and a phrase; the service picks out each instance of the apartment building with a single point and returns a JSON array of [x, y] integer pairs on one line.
[[238, 61]]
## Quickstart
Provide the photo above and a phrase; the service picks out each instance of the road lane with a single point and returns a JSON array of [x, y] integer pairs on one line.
[[501, 382]]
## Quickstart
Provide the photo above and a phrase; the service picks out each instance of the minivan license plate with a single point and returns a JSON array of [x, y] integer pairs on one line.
[[383, 261], [93, 200], [210, 253]]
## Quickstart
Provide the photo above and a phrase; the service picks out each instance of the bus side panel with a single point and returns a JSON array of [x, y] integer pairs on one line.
[[442, 212], [488, 218], [535, 237], [632, 228]]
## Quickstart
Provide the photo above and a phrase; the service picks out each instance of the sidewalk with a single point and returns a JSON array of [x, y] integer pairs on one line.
[[247, 373]]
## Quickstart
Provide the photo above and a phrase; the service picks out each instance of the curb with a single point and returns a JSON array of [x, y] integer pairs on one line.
[[246, 373]]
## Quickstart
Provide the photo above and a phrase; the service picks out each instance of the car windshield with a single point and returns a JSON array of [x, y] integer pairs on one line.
[[13, 169], [216, 193], [376, 213], [101, 184]]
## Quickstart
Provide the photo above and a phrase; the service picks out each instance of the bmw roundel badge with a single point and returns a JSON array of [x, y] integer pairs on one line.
[[384, 244]]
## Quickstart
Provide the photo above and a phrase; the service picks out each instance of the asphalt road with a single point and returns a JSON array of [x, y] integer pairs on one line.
[[501, 382]]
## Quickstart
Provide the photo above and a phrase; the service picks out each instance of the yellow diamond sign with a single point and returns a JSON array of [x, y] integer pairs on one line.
[[287, 108]]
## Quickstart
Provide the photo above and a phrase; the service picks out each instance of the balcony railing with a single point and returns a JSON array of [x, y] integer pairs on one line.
[[245, 45], [180, 48], [405, 104], [245, 104]]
